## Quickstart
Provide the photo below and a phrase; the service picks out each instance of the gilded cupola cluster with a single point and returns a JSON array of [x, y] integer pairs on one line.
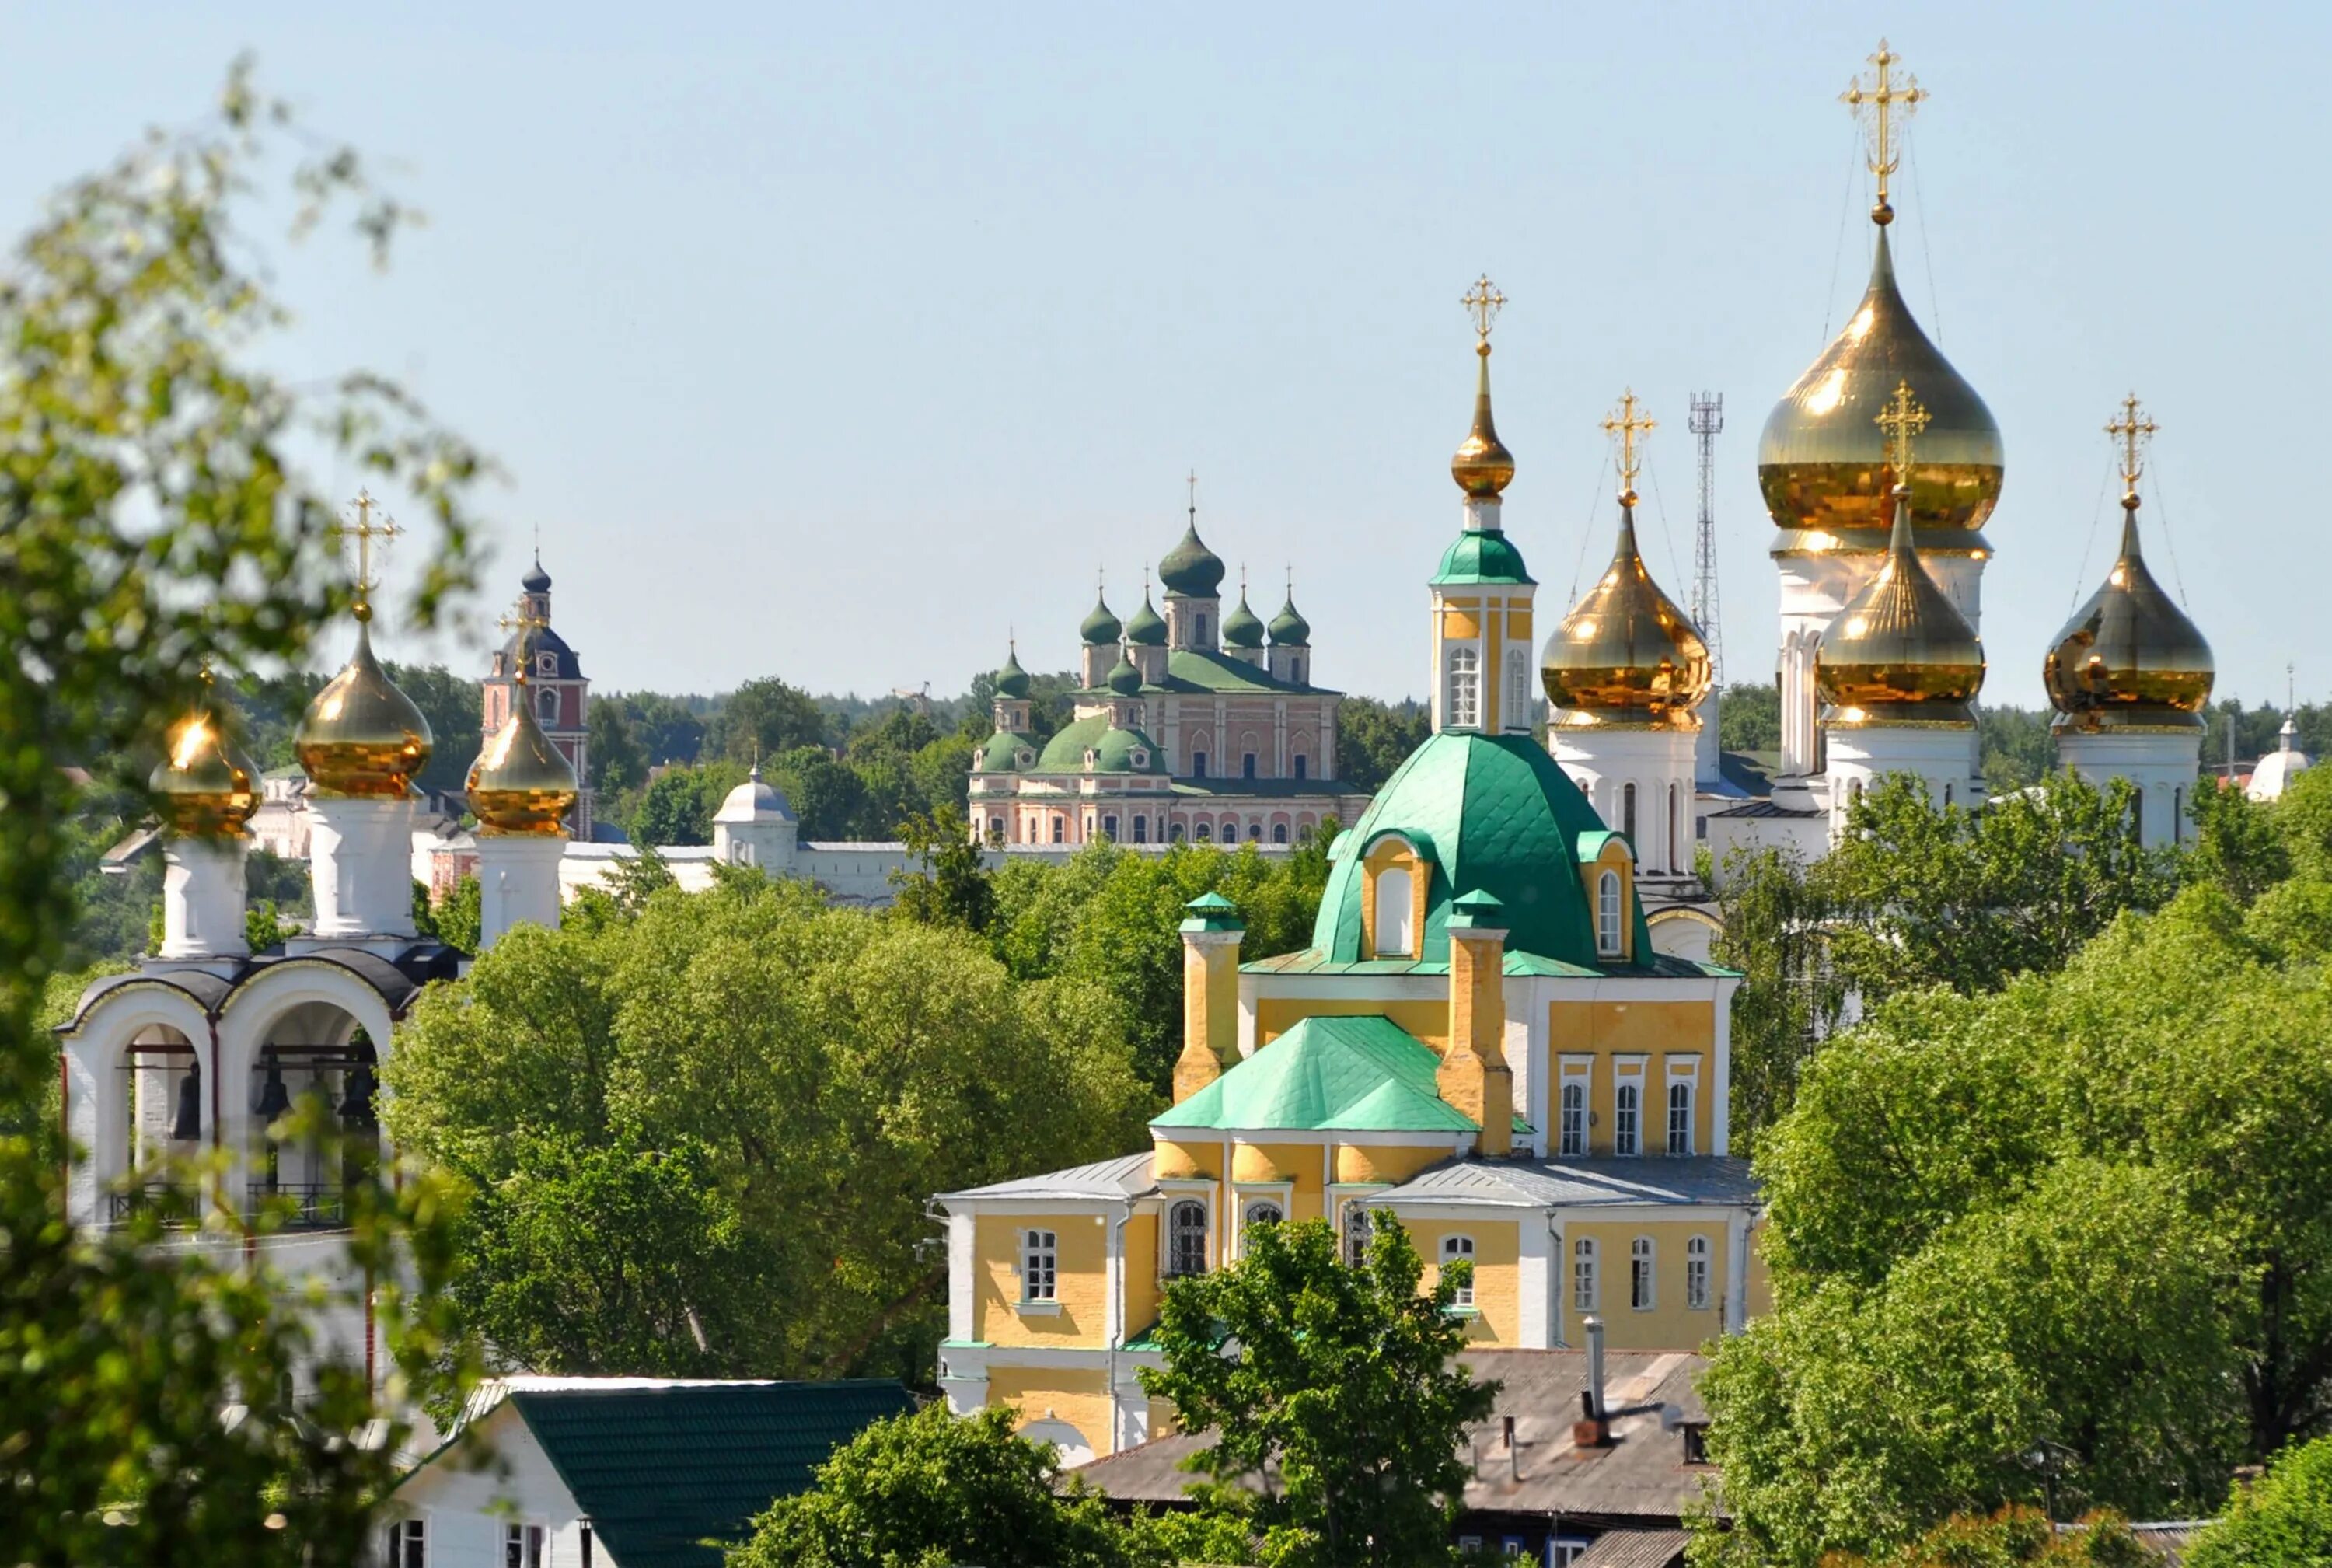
[[361, 737], [1625, 655], [2129, 658], [521, 784], [205, 785]]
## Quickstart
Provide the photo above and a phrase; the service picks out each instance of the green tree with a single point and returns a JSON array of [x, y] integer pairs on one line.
[[1776, 933], [953, 886], [762, 718], [1374, 738], [678, 806], [2236, 849], [155, 518], [2285, 1521], [1749, 719], [931, 1490], [618, 764], [2019, 1537], [460, 914], [826, 794], [670, 729], [1340, 1380], [456, 709], [2017, 746], [636, 878]]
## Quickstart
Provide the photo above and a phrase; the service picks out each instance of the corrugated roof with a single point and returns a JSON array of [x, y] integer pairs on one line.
[[1359, 1074], [1105, 1179], [1570, 1183], [661, 1470], [1634, 1549]]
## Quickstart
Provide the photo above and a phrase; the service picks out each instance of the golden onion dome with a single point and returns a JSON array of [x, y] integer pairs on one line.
[[1625, 654], [1822, 464], [2129, 658], [1482, 466], [205, 787], [521, 782], [1899, 651], [361, 736]]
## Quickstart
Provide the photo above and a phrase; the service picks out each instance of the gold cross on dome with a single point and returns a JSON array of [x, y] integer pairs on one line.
[[1873, 98], [521, 619], [1902, 419], [2134, 429], [1628, 421], [1483, 301], [363, 530]]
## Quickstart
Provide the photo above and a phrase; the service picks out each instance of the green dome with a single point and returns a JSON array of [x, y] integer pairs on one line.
[[999, 754], [1100, 627], [1493, 814], [1127, 751], [1124, 678], [1146, 627], [1243, 628], [1485, 555], [1289, 629], [1066, 751], [1012, 681], [1190, 568]]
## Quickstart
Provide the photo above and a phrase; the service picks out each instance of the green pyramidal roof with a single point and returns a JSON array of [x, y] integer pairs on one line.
[[1485, 555], [1348, 1075]]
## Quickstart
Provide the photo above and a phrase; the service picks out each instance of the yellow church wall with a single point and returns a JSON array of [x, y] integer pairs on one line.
[[1071, 1395], [1518, 623], [1178, 1160], [1667, 1323], [1427, 1018], [1363, 1163], [1460, 625], [1081, 1281], [1140, 1272], [1264, 1164], [1497, 1272], [1655, 1031]]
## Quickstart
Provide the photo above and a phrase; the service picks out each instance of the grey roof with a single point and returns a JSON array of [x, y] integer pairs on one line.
[[1634, 1549], [1570, 1183], [397, 981], [1764, 808], [1639, 1478], [1122, 1177]]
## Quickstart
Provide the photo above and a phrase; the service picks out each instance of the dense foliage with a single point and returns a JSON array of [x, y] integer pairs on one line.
[[2285, 1521], [2018, 1538]]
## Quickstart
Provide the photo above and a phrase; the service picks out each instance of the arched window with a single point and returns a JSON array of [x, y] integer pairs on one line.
[[1279, 833], [1458, 1250], [2177, 815], [2137, 814], [1246, 764], [1186, 1239], [1039, 1265], [1393, 911], [1142, 830], [1206, 831], [1198, 764], [1262, 1211], [1574, 1119], [1627, 811], [546, 706], [1356, 1232], [1462, 708], [1696, 1274], [1948, 797], [1174, 833], [1109, 827], [1583, 1293], [1639, 1274], [1303, 766], [1675, 855], [1202, 631], [1679, 1118], [1626, 1121], [1230, 830], [1608, 914], [1517, 716], [1060, 828]]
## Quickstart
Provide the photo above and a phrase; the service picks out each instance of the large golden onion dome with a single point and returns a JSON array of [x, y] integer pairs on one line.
[[2129, 658], [1482, 466], [205, 787], [521, 782], [361, 736], [1625, 654], [1899, 651], [1823, 466]]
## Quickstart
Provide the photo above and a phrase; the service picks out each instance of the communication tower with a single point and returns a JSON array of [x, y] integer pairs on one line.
[[1708, 613]]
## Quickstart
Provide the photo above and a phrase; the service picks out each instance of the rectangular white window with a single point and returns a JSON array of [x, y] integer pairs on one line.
[[1464, 706], [1562, 1550], [1639, 1274], [522, 1546], [1627, 1117], [1609, 914], [1583, 1293], [1696, 1274], [1458, 1250], [1680, 1117], [408, 1545], [1040, 1256], [1574, 1117], [1357, 1231]]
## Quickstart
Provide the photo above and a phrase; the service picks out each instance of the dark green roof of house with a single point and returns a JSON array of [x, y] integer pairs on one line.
[[1066, 751], [1211, 912], [1243, 628], [1350, 1075], [1001, 752], [1289, 629], [1196, 670], [1190, 568], [1012, 681], [660, 1471], [1483, 555], [1492, 812], [1127, 751], [1146, 627], [1100, 627]]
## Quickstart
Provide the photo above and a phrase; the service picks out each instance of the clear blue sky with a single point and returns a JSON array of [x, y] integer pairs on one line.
[[829, 341]]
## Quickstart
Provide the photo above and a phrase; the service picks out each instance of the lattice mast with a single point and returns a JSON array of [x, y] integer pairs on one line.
[[1708, 610]]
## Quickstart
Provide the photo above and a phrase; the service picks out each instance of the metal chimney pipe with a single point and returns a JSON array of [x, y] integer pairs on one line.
[[1594, 1327]]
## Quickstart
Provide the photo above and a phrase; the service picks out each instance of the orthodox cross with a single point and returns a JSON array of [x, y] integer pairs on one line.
[[2133, 430], [1875, 97], [523, 620], [363, 530], [1193, 482], [1902, 419], [1627, 421], [1483, 303]]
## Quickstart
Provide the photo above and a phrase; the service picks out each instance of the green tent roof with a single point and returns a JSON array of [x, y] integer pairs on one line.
[[1485, 555], [1346, 1075], [1201, 670], [661, 1470], [1492, 812]]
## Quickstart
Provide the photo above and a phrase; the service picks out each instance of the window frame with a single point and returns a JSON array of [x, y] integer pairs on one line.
[[1643, 1274], [526, 1543], [1697, 1256], [1247, 1196], [1173, 1234], [1462, 690], [1628, 1117], [1680, 1138], [408, 1542], [1039, 1267], [1586, 1275], [1454, 1247], [1570, 1117], [1610, 914]]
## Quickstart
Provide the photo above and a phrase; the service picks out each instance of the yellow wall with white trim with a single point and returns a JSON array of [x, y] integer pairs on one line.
[[1497, 1272], [1668, 1324], [1071, 1395], [1081, 1281], [1427, 1018], [1655, 1030]]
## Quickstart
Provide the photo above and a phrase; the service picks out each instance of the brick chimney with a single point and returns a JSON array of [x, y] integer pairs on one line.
[[1474, 1075], [1211, 949]]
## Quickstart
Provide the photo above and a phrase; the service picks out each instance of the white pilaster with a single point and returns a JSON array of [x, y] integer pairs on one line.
[[2161, 764], [203, 899], [1936, 755], [1604, 760], [518, 882], [361, 853]]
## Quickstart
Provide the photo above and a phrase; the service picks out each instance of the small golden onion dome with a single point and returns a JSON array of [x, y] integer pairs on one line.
[[1482, 466], [1823, 465], [1899, 651], [2129, 658], [361, 736], [205, 787], [1625, 654], [521, 782]]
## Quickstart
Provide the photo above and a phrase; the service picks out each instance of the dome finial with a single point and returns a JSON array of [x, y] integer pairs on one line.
[[1873, 98], [1627, 422], [1902, 419], [363, 530], [2134, 430], [1482, 466]]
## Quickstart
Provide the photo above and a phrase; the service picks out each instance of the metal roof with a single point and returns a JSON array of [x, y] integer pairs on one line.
[[1347, 1073], [1571, 1183], [1104, 1179]]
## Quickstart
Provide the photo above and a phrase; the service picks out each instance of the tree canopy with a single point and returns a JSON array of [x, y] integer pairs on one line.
[[2285, 1521]]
